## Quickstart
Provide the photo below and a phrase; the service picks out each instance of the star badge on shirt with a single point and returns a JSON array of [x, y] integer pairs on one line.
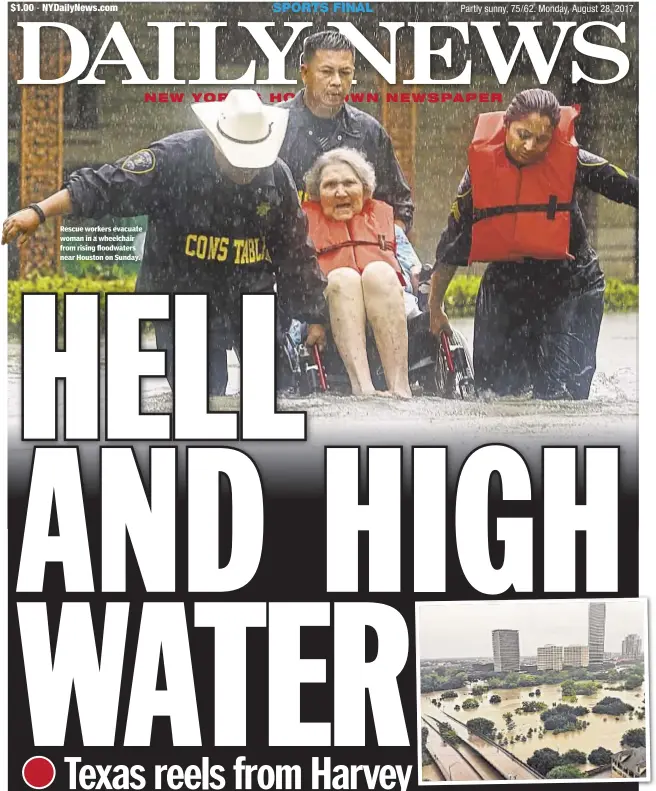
[[263, 209]]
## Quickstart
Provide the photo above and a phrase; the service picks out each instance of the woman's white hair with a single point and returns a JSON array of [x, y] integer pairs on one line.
[[347, 156]]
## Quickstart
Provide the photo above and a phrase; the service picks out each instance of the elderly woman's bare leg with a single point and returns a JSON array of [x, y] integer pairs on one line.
[[348, 322], [383, 299]]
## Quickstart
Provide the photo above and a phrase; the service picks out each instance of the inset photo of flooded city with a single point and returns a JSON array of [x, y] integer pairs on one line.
[[533, 690]]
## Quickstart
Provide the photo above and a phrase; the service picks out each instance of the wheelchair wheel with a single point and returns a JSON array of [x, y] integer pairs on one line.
[[430, 379], [455, 380]]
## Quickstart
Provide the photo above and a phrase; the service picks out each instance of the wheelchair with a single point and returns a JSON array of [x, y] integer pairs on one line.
[[438, 367]]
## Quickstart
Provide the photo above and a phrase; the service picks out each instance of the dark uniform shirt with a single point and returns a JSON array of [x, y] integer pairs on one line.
[[555, 278], [206, 233], [309, 136]]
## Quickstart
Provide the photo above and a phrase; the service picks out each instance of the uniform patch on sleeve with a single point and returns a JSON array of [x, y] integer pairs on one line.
[[140, 162]]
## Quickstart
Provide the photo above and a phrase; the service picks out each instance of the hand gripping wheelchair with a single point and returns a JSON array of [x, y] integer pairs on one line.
[[441, 367]]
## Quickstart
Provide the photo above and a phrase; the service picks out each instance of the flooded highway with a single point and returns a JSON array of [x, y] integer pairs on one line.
[[450, 763], [495, 756]]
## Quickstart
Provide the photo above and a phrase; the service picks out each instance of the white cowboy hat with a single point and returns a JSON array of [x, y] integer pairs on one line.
[[247, 132]]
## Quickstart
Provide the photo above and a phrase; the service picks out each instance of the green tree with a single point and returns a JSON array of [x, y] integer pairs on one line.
[[600, 757], [482, 726], [574, 757], [454, 682], [544, 760], [470, 703], [568, 689], [563, 708], [564, 772], [531, 706], [447, 733], [613, 706], [479, 690], [425, 755], [586, 687], [495, 699], [636, 737]]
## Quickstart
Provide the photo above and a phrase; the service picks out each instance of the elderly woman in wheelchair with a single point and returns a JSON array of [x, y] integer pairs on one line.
[[358, 248]]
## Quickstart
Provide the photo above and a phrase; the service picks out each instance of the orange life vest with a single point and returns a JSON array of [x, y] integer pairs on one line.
[[521, 212], [366, 237]]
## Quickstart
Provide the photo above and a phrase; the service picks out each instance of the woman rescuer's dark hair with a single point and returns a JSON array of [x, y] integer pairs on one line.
[[325, 39], [534, 100]]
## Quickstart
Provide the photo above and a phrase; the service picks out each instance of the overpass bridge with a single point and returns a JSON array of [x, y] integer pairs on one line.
[[507, 765], [456, 762]]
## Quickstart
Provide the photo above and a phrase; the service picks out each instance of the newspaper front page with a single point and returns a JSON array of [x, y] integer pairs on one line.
[[322, 395]]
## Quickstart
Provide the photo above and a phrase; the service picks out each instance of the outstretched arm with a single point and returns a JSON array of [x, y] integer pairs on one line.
[[440, 279], [452, 251], [599, 175], [23, 223], [130, 187]]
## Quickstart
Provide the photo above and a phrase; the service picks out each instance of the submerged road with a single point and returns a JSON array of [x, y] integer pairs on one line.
[[511, 768], [484, 769], [449, 761]]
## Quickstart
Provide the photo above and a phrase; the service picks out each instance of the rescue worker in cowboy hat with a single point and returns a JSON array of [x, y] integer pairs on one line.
[[541, 299], [224, 219]]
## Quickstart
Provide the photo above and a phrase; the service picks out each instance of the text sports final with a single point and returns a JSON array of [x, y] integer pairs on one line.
[[323, 8]]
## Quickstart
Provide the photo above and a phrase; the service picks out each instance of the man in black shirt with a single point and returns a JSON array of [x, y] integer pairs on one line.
[[223, 219], [320, 119]]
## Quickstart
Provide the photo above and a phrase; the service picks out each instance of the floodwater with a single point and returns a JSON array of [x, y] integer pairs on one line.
[[609, 417], [452, 765], [614, 392], [617, 354], [609, 414], [604, 730], [501, 765]]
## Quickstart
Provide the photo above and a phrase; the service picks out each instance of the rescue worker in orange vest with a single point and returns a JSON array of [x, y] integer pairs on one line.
[[541, 299], [354, 237]]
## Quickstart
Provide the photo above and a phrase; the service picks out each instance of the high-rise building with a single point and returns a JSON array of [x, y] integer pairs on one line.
[[576, 656], [505, 647], [550, 657], [632, 646], [596, 631]]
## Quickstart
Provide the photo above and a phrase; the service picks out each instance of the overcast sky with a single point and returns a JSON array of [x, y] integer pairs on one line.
[[463, 629]]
